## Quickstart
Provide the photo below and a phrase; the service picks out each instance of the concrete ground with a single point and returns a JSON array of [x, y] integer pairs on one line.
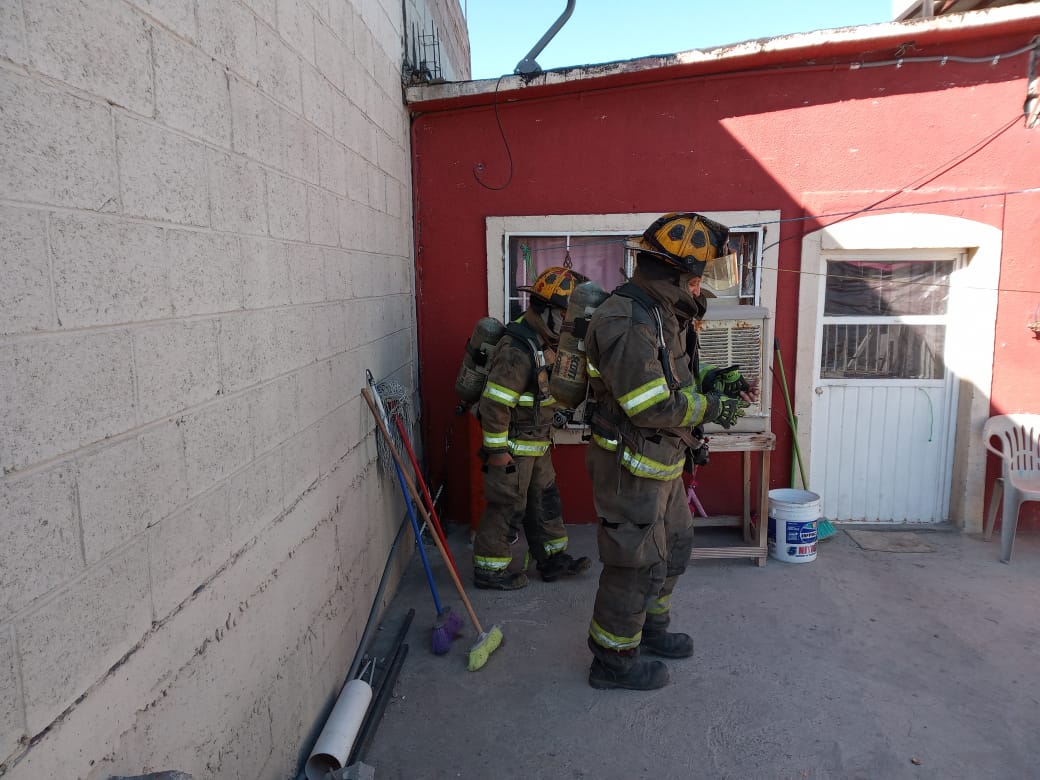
[[860, 664]]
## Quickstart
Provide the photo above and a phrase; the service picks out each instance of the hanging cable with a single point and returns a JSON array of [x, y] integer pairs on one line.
[[478, 168]]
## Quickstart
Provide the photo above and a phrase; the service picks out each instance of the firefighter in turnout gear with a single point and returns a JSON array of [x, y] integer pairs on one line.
[[516, 412], [649, 392]]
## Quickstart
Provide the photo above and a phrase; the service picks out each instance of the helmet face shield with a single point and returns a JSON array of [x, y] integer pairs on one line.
[[687, 240]]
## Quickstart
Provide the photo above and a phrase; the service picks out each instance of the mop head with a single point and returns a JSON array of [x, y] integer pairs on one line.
[[445, 630], [394, 398], [485, 646]]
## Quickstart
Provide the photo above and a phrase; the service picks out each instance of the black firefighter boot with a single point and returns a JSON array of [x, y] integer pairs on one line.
[[499, 580], [625, 669], [666, 644], [562, 565]]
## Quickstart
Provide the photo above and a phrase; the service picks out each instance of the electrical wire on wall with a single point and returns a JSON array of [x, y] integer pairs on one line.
[[479, 167]]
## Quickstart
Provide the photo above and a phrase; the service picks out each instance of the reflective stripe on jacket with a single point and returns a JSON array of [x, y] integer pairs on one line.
[[642, 413], [511, 418]]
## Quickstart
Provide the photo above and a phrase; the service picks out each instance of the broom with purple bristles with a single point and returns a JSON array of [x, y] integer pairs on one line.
[[448, 624]]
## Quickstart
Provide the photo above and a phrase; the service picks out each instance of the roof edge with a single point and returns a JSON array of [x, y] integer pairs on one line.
[[785, 48]]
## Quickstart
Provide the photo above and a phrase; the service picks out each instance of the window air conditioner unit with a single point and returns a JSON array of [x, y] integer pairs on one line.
[[732, 334]]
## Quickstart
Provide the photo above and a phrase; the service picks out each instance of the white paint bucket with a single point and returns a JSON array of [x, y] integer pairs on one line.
[[792, 525]]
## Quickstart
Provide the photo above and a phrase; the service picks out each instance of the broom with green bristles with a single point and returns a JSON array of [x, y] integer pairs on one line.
[[824, 528], [487, 641]]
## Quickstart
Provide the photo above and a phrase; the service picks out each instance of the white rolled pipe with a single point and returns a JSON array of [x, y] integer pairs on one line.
[[341, 729]]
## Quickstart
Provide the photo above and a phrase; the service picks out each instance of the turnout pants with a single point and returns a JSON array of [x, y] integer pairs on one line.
[[645, 538], [522, 495]]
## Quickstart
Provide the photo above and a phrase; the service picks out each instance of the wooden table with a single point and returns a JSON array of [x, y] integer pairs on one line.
[[755, 548]]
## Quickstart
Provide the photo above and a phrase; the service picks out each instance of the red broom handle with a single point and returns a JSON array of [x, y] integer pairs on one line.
[[425, 491]]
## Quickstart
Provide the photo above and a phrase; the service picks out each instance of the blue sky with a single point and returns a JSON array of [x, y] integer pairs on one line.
[[502, 32]]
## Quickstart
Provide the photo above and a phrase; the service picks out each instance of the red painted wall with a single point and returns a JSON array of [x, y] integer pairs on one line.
[[809, 140]]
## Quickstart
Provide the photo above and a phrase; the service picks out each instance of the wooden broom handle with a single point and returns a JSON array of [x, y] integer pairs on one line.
[[417, 501]]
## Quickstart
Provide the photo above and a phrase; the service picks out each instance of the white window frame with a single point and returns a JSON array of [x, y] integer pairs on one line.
[[499, 229]]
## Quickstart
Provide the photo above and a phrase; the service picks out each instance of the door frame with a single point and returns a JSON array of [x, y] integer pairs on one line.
[[972, 312]]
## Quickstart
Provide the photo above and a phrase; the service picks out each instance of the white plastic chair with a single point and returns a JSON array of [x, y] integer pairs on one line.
[[1019, 451]]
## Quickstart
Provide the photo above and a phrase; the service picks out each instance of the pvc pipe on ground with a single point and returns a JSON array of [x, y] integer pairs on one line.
[[337, 737]]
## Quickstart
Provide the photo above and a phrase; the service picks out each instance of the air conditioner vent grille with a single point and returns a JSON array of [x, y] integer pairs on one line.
[[728, 342]]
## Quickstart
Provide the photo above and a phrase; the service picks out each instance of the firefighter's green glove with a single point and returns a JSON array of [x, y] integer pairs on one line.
[[724, 410], [728, 381]]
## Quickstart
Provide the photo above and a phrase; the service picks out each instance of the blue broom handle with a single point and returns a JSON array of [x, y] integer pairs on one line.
[[418, 537]]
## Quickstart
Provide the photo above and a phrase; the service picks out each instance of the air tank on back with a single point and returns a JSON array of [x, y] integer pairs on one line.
[[469, 383], [570, 376]]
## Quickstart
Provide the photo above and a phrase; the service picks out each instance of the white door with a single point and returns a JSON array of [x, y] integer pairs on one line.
[[884, 399]]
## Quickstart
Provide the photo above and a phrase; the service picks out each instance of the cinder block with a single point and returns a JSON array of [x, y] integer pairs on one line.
[[63, 393], [265, 9], [328, 53], [296, 25], [354, 130], [245, 341], [296, 344], [127, 487], [317, 99], [377, 189], [12, 715], [187, 548], [205, 272], [218, 440], [287, 207], [279, 69], [39, 537], [332, 165], [191, 91], [330, 329], [238, 189], [257, 125], [265, 273], [338, 433], [108, 271], [55, 148], [341, 278], [363, 49], [178, 15], [72, 640], [315, 392], [342, 20], [274, 413], [300, 140], [357, 176], [163, 176], [25, 296], [227, 32], [323, 216], [177, 367], [301, 462], [306, 273], [12, 33], [100, 46], [256, 498], [354, 226]]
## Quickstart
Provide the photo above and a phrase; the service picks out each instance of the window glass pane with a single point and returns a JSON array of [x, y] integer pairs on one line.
[[865, 288], [895, 351], [601, 258]]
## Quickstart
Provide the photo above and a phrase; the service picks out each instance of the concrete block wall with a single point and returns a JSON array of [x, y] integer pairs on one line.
[[205, 241]]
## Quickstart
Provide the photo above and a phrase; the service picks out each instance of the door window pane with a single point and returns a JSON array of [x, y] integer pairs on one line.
[[883, 351], [863, 288]]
